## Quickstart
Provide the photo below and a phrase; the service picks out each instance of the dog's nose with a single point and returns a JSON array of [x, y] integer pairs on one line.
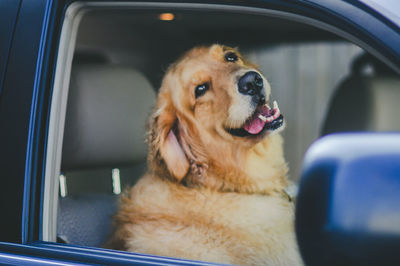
[[251, 84]]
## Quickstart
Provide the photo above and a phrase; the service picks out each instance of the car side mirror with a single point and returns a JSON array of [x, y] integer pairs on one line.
[[348, 206]]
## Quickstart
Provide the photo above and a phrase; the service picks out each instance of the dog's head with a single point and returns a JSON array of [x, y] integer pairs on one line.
[[211, 102]]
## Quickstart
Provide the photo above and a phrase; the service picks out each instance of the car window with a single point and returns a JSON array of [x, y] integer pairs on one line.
[[110, 69]]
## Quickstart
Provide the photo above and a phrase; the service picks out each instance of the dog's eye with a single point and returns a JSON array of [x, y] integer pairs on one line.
[[201, 90], [231, 57]]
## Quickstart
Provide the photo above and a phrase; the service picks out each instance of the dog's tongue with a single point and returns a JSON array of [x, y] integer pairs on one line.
[[255, 125]]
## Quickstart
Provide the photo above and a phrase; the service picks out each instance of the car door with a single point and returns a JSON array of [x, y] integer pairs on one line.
[[8, 16], [32, 32]]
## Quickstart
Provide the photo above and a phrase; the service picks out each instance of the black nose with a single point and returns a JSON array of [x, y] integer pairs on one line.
[[251, 83]]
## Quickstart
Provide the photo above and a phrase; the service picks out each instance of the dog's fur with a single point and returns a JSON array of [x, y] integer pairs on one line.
[[209, 195]]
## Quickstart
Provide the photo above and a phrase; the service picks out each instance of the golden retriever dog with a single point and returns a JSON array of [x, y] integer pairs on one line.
[[215, 186]]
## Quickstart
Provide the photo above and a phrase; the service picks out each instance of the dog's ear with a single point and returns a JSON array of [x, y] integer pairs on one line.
[[174, 156], [166, 142]]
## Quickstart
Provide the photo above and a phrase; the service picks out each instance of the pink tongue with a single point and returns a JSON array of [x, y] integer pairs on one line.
[[256, 125]]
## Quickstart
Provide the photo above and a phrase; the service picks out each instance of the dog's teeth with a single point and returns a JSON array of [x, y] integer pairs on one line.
[[272, 117], [276, 114], [263, 118]]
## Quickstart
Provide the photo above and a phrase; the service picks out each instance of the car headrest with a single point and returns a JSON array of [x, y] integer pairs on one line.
[[365, 101], [107, 110]]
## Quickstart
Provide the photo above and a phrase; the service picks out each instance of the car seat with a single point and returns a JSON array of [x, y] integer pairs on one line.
[[107, 109], [367, 100]]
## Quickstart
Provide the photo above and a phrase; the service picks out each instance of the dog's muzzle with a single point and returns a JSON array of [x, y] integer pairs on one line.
[[264, 118], [251, 84]]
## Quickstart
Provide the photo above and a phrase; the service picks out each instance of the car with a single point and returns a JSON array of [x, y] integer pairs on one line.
[[78, 78]]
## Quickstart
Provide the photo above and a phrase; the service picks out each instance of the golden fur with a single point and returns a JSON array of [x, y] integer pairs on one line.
[[208, 195]]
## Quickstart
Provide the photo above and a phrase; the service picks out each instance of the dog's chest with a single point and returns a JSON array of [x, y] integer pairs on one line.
[[256, 227], [206, 225], [252, 214]]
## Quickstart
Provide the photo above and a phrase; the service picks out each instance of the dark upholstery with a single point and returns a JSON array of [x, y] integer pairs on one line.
[[367, 100], [85, 220]]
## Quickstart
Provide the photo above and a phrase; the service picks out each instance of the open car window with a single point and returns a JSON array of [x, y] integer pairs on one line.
[[111, 62]]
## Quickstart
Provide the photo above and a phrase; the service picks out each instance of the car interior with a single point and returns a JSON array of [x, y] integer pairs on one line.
[[323, 83]]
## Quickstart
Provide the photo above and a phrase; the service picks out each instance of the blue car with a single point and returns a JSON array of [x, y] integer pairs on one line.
[[78, 80]]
